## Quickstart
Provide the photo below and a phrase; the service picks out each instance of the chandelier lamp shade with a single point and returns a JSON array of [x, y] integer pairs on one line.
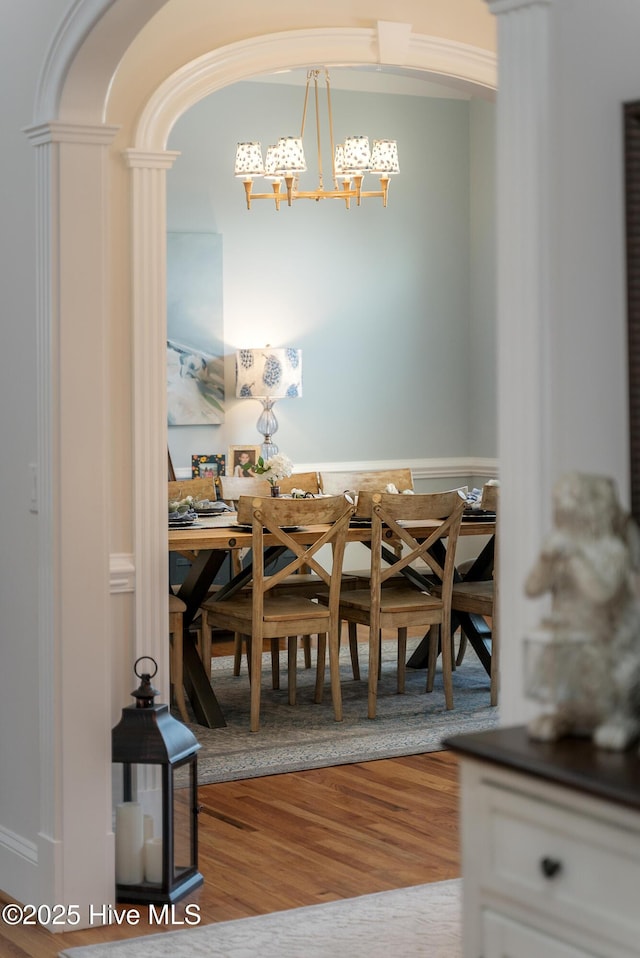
[[268, 374], [284, 161]]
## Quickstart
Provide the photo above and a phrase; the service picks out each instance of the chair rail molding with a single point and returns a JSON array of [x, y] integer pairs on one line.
[[122, 573], [457, 468], [460, 468]]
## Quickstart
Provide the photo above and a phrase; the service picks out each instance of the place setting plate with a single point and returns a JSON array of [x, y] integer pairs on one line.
[[183, 520], [248, 528], [359, 523], [215, 510]]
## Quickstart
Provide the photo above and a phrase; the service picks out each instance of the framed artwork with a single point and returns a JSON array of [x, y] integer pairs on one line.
[[195, 353], [207, 467], [238, 456]]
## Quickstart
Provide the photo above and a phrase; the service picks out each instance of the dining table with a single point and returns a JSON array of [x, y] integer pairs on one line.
[[209, 540]]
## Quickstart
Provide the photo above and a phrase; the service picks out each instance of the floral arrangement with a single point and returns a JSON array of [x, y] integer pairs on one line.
[[276, 468]]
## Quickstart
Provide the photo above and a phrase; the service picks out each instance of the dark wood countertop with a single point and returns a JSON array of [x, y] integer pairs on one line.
[[571, 762]]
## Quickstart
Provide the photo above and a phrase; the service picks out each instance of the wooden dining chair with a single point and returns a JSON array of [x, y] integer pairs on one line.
[[232, 487], [305, 581], [480, 598], [380, 607], [265, 612], [354, 482], [198, 488], [372, 480], [306, 481], [176, 678]]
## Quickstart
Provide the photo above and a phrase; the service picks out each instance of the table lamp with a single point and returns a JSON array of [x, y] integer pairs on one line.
[[267, 375]]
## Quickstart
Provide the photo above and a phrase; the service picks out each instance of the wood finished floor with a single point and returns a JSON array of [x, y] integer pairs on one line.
[[282, 841]]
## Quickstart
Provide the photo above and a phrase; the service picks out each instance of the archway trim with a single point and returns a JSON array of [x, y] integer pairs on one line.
[[297, 49]]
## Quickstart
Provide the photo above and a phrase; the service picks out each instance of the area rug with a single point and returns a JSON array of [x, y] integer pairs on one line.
[[306, 736], [423, 920]]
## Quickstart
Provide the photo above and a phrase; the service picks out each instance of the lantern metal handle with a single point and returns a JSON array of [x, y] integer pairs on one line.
[[141, 659]]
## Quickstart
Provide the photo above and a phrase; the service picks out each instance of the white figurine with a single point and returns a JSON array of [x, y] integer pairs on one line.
[[589, 563]]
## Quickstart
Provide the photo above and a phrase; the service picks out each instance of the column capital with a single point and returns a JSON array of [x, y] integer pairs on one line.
[[81, 133], [150, 159]]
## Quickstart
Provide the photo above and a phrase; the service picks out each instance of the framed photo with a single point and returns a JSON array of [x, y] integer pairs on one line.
[[238, 456], [207, 467]]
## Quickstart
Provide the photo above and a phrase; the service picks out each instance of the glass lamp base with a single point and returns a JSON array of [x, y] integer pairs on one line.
[[268, 449], [267, 425]]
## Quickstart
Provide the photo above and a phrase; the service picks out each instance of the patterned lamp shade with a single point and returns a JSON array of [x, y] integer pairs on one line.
[[290, 156], [338, 160], [384, 157], [271, 163], [249, 160], [357, 156], [269, 373]]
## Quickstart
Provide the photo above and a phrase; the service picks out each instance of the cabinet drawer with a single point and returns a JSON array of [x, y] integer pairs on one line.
[[574, 867], [505, 937]]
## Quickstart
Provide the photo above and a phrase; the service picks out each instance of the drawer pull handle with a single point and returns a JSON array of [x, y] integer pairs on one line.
[[550, 867]]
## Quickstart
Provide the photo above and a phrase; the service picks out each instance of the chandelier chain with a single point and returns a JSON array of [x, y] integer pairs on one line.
[[318, 137]]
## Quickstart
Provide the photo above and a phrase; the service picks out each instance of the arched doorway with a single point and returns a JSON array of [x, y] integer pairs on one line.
[[79, 226], [149, 160]]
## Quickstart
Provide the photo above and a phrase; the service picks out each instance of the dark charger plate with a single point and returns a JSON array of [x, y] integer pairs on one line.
[[478, 515]]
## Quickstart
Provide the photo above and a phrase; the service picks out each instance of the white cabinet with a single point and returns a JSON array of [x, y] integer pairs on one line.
[[550, 848], [504, 938]]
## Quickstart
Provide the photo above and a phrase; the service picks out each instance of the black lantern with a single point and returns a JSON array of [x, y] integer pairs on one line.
[[156, 829]]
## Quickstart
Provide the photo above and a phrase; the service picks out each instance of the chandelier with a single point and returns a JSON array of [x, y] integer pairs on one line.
[[285, 161]]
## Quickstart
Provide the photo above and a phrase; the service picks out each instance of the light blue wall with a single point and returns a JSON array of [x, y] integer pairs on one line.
[[383, 302], [482, 313]]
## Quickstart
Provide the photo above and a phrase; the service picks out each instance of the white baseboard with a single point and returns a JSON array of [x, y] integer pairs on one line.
[[17, 844], [18, 865]]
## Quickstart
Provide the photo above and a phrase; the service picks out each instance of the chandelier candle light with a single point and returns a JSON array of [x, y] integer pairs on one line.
[[286, 160], [268, 374]]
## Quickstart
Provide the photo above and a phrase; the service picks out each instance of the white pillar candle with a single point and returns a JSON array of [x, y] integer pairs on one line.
[[148, 827], [129, 843], [153, 860]]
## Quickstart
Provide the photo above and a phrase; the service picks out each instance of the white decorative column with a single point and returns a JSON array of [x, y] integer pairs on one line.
[[523, 292], [149, 344], [74, 667]]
